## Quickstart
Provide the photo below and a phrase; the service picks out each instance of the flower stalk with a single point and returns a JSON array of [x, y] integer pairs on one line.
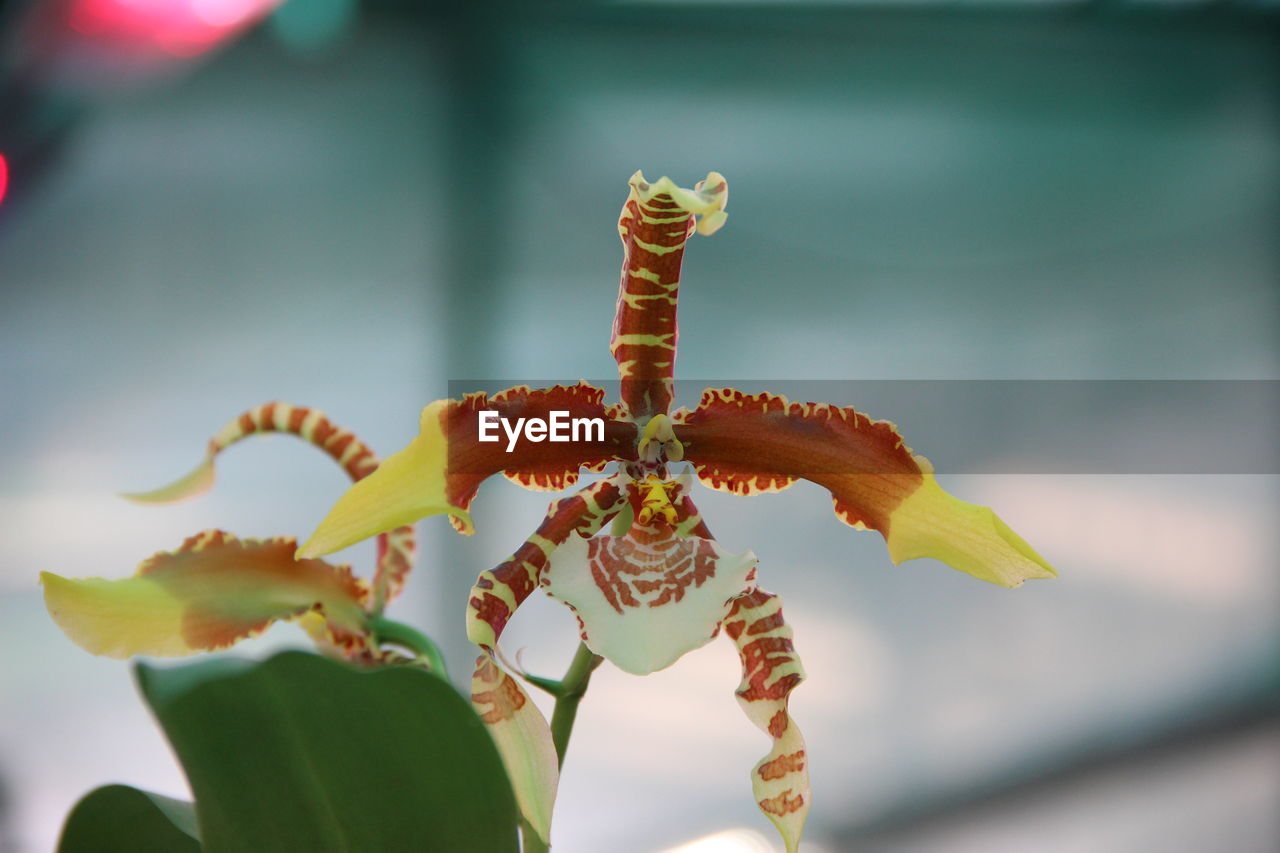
[[568, 692], [407, 637], [571, 690]]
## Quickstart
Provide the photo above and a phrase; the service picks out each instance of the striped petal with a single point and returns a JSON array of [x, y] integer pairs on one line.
[[657, 219], [498, 592], [213, 591], [748, 444], [770, 671], [442, 469], [523, 739], [396, 549], [647, 598]]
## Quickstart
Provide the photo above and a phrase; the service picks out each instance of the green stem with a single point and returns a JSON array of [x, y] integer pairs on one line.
[[400, 634], [572, 688], [568, 692]]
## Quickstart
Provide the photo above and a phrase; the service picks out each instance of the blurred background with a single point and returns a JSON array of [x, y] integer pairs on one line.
[[207, 204]]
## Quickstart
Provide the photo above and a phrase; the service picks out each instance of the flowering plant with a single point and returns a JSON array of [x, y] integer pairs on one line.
[[652, 587]]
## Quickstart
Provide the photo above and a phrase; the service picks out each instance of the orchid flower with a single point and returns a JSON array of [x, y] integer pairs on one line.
[[215, 589], [659, 585]]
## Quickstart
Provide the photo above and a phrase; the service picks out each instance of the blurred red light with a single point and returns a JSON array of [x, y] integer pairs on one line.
[[178, 27], [4, 177]]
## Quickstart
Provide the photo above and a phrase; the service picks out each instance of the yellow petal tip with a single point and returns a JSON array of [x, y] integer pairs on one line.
[[114, 618], [965, 536]]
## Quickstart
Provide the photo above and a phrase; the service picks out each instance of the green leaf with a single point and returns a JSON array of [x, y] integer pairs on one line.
[[304, 753], [120, 819], [162, 686]]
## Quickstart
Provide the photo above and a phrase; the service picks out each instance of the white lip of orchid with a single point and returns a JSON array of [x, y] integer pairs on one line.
[[642, 638], [647, 597]]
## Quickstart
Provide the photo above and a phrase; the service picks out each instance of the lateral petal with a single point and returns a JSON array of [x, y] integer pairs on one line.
[[770, 671], [748, 444], [210, 593], [523, 739], [647, 598], [441, 470], [498, 592]]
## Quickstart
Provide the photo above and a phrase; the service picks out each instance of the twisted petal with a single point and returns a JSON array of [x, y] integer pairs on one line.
[[396, 549], [441, 470], [647, 598], [498, 592], [656, 221], [523, 739], [770, 671], [211, 592], [747, 444]]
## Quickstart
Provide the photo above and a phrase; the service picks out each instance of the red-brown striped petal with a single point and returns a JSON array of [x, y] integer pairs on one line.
[[747, 444], [770, 671], [442, 469], [311, 425], [549, 466], [498, 592], [656, 221]]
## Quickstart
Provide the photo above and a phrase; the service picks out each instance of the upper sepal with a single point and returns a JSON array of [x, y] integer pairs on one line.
[[211, 592], [657, 220]]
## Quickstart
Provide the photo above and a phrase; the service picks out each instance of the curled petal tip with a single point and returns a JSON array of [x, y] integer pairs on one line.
[[198, 481], [460, 520], [706, 200], [712, 222]]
